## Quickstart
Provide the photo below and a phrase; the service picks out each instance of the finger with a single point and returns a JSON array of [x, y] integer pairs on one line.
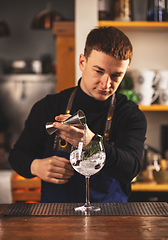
[[61, 126], [58, 181], [63, 176], [59, 175], [67, 131], [62, 117], [61, 163], [63, 171], [68, 127]]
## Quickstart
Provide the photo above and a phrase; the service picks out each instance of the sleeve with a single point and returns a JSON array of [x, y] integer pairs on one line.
[[29, 145], [124, 157]]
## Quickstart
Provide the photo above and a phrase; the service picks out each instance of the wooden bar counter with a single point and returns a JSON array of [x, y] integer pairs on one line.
[[82, 227]]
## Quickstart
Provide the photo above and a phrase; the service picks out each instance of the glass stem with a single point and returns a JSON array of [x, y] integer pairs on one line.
[[87, 204]]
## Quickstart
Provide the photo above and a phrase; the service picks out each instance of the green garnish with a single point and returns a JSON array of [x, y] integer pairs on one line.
[[92, 148]]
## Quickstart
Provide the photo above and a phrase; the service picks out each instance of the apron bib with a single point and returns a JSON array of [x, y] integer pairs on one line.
[[103, 188]]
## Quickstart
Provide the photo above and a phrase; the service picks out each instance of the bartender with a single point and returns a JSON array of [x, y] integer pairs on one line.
[[106, 58]]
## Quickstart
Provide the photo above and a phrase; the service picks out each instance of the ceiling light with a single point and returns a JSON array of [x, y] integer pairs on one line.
[[45, 18]]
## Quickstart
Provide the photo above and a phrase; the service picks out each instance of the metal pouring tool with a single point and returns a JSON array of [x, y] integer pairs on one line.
[[77, 118]]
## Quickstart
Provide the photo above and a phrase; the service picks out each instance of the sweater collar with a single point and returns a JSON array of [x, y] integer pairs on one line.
[[88, 103]]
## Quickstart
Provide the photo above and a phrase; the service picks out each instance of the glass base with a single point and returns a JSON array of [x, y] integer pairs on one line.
[[87, 208]]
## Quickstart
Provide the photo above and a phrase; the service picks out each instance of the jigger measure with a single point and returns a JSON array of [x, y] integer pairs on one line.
[[77, 118]]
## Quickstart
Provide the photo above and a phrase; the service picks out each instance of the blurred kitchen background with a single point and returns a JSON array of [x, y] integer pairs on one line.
[[33, 62], [27, 58], [27, 70]]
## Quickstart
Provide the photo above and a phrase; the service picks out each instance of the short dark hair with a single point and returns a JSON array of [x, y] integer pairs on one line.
[[109, 40]]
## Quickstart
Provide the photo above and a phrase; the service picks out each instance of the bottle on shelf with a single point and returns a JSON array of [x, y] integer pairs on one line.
[[166, 12], [139, 10], [122, 10], [156, 10], [105, 12]]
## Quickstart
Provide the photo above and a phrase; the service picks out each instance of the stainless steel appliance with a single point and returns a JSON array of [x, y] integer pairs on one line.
[[18, 92]]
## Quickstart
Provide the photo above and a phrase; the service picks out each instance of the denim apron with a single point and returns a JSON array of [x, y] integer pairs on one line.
[[103, 188]]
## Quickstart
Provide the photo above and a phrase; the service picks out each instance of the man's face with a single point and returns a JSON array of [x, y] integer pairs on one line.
[[101, 74]]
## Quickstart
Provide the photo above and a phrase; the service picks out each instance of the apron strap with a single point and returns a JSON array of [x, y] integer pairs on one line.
[[68, 109], [109, 119]]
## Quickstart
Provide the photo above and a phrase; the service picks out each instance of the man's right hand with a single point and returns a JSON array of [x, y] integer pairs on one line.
[[52, 169]]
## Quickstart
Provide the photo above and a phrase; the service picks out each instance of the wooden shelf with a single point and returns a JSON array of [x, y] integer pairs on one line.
[[154, 107], [65, 49], [63, 28], [136, 25], [147, 187]]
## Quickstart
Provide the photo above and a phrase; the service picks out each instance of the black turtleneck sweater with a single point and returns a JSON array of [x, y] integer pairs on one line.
[[127, 133]]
